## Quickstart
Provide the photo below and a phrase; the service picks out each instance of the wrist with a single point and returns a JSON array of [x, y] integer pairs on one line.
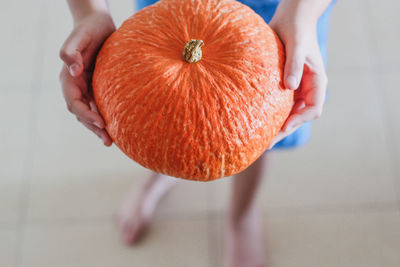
[[81, 9], [302, 12], [94, 18]]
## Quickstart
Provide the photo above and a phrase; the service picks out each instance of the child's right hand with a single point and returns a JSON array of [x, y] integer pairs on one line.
[[79, 54]]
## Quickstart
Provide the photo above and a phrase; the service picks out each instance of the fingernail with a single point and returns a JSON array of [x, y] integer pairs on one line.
[[271, 146], [103, 138], [97, 124], [288, 127], [292, 82], [73, 69]]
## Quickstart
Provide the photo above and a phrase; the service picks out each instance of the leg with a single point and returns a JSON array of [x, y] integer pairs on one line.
[[243, 237], [134, 215]]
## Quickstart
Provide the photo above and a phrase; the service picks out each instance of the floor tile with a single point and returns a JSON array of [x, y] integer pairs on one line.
[[65, 146], [84, 197], [349, 46], [14, 146], [17, 51], [10, 200], [347, 240], [187, 198], [14, 134], [8, 243], [169, 243], [346, 162], [383, 20], [391, 94], [57, 31]]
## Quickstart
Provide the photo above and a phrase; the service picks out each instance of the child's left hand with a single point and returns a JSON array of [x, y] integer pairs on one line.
[[304, 69]]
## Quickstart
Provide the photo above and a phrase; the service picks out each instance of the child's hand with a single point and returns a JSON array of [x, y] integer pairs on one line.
[[79, 53], [304, 69]]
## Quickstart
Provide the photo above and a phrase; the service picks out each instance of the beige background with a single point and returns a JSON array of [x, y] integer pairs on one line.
[[334, 202]]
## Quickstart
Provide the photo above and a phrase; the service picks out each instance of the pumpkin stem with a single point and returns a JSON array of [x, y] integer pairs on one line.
[[192, 52]]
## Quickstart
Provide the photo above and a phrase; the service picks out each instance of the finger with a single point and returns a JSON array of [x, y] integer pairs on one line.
[[306, 114], [81, 110], [76, 103], [71, 52], [101, 133], [93, 106], [293, 66], [298, 105], [307, 109], [315, 84], [281, 135]]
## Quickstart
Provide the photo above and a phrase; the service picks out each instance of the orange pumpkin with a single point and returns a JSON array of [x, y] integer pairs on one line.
[[192, 89]]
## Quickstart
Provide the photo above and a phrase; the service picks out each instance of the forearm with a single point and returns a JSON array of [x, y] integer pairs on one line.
[[81, 8], [305, 10]]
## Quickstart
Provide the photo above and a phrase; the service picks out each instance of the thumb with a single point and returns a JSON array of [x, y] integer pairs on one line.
[[293, 67], [71, 52]]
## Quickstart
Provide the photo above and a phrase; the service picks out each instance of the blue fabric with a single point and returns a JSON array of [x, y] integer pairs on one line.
[[266, 9]]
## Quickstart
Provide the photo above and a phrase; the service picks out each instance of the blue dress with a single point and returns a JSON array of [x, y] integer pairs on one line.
[[266, 9]]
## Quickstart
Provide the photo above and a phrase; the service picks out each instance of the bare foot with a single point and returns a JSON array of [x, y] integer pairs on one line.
[[244, 241], [135, 214]]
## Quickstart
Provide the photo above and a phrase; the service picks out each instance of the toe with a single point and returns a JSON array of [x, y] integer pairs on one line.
[[129, 232]]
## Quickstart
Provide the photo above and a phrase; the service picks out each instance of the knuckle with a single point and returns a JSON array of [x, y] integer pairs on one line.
[[318, 113], [61, 75], [297, 59], [94, 130], [296, 41], [69, 107], [63, 53], [97, 132], [323, 77], [325, 80]]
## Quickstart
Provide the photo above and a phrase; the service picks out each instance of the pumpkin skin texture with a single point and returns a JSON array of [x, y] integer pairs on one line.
[[198, 121]]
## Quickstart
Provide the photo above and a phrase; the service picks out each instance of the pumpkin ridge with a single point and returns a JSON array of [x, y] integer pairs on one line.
[[181, 112], [249, 116], [202, 120], [217, 17], [139, 97], [234, 93], [232, 97], [221, 129], [174, 113], [201, 136], [243, 101], [170, 102], [227, 129], [217, 29]]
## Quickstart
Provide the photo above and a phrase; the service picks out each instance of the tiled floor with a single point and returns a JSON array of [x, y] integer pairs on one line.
[[336, 205]]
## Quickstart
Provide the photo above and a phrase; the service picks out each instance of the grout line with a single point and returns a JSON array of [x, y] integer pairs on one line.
[[387, 117], [36, 84], [331, 209], [212, 215], [8, 226], [351, 71], [211, 228]]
